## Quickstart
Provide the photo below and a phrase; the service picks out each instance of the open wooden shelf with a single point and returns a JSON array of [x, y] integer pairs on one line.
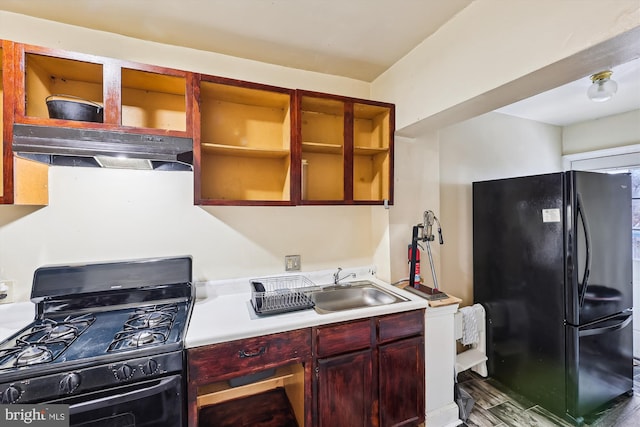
[[250, 159], [137, 98], [346, 149], [153, 100], [221, 391], [371, 161], [253, 144], [288, 379], [369, 151], [232, 150], [322, 122], [317, 147], [48, 75]]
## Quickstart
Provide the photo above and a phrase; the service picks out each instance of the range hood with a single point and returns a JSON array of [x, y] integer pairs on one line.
[[102, 148]]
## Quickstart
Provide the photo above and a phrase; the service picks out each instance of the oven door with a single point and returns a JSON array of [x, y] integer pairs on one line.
[[156, 403]]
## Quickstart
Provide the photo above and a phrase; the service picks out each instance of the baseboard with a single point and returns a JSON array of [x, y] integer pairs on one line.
[[445, 416]]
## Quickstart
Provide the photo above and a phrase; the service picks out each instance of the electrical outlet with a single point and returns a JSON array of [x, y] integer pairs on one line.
[[292, 263]]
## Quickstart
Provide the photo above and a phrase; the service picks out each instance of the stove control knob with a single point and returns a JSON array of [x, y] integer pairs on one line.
[[150, 367], [123, 372], [69, 383], [10, 395]]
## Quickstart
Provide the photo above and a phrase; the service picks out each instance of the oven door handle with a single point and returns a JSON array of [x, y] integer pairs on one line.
[[143, 391]]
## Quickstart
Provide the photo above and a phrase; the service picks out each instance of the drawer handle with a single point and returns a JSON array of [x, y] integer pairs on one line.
[[243, 353]]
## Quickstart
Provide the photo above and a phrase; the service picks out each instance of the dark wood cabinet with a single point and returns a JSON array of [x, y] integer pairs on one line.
[[155, 102], [24, 182], [346, 147], [401, 378], [249, 143], [284, 357], [370, 372], [243, 147], [345, 393], [137, 98]]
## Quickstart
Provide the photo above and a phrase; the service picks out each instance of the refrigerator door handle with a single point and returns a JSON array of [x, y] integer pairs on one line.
[[587, 241], [606, 329]]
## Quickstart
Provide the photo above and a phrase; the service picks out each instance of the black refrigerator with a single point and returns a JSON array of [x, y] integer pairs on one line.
[[552, 267]]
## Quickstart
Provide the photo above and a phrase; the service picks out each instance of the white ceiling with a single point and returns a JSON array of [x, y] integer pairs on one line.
[[568, 104], [359, 39]]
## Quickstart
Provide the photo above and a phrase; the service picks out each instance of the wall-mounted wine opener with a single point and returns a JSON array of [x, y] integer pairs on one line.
[[424, 233]]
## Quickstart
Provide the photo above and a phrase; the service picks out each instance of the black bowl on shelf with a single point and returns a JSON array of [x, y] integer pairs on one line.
[[70, 107]]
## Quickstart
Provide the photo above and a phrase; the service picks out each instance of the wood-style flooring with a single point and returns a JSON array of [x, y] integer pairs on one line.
[[497, 406]]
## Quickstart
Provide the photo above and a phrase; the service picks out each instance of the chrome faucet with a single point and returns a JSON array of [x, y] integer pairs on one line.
[[337, 278]]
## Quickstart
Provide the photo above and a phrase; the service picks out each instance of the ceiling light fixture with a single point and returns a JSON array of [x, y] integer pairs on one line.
[[603, 88]]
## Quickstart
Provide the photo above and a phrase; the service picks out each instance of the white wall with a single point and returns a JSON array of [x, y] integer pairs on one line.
[[416, 190], [608, 132], [107, 214], [487, 147]]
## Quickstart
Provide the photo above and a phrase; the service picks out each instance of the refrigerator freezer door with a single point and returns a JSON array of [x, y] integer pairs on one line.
[[598, 245], [601, 364]]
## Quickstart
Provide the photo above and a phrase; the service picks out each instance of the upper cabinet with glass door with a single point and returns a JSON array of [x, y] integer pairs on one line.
[[243, 151], [346, 149], [135, 98]]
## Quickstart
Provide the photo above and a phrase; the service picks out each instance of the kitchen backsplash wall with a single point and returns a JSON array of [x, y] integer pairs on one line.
[[108, 214]]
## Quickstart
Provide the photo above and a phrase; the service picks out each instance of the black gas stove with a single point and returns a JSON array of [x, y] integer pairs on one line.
[[104, 332]]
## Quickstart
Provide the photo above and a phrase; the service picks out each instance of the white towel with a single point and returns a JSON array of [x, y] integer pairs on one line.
[[470, 329]]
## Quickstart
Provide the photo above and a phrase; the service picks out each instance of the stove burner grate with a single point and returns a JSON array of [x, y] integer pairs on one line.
[[45, 341], [146, 326], [33, 354], [138, 338], [152, 317]]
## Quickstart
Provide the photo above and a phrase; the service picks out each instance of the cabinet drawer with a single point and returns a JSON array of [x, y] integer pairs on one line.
[[344, 337], [236, 358], [400, 325]]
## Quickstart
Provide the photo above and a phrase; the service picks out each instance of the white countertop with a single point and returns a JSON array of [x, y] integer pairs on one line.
[[223, 310], [15, 316]]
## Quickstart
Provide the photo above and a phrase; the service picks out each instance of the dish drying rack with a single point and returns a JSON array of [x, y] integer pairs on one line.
[[281, 294]]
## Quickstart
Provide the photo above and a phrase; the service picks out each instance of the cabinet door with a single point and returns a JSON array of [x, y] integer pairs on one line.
[[401, 377], [344, 390]]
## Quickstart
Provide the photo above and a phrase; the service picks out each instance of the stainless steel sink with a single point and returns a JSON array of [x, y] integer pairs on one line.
[[350, 296]]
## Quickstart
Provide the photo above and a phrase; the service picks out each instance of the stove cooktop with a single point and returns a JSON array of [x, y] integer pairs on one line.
[[74, 340]]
